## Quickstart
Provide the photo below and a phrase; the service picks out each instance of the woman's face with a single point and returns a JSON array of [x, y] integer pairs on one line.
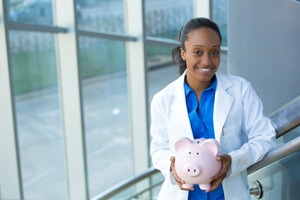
[[202, 56]]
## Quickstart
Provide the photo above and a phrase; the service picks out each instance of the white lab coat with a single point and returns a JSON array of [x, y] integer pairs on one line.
[[239, 124]]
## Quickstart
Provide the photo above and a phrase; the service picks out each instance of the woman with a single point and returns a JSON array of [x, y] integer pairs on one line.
[[202, 103]]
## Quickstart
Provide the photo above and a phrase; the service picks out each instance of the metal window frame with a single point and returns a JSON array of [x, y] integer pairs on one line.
[[10, 174]]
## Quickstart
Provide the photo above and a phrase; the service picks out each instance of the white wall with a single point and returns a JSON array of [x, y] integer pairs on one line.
[[264, 48]]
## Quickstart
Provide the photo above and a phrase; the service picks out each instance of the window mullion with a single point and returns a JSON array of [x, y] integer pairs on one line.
[[10, 173], [137, 83], [71, 100], [202, 8]]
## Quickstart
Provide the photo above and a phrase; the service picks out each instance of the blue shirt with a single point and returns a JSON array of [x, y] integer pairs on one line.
[[201, 119]]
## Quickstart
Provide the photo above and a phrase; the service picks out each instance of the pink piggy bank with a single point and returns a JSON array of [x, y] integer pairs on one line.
[[196, 161]]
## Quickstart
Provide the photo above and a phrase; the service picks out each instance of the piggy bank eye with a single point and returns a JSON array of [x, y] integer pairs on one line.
[[190, 152], [197, 153]]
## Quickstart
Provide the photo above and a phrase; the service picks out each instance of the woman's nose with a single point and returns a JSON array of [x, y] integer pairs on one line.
[[206, 60]]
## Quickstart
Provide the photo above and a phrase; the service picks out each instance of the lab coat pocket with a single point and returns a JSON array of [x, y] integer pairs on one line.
[[232, 136]]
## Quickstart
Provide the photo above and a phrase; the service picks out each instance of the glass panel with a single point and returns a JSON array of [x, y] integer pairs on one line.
[[106, 113], [147, 188], [219, 15], [103, 15], [280, 178], [38, 115], [164, 18], [292, 134], [161, 70], [31, 11]]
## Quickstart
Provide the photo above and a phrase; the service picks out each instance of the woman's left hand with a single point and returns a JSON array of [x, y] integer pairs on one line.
[[216, 180]]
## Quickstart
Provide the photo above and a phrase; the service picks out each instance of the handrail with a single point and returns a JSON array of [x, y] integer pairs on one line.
[[287, 117], [145, 190], [125, 184], [276, 154], [283, 120]]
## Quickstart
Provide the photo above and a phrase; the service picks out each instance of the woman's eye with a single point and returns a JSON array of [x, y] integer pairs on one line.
[[198, 52], [215, 53]]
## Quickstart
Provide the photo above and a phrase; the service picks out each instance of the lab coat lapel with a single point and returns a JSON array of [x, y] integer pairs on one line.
[[223, 103], [179, 119]]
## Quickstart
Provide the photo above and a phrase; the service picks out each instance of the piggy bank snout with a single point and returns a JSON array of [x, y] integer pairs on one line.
[[192, 170]]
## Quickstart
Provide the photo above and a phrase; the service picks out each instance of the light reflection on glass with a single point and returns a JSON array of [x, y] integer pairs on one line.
[[38, 115], [106, 113], [28, 11]]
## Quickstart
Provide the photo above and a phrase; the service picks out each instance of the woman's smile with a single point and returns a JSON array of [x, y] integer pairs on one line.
[[203, 69]]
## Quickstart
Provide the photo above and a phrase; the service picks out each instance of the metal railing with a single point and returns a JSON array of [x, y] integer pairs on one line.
[[284, 119], [126, 184], [287, 117]]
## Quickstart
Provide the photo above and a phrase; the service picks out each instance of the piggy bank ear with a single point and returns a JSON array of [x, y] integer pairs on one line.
[[182, 142], [212, 145]]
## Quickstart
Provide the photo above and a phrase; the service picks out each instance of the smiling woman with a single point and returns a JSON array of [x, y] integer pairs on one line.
[[202, 56], [201, 104]]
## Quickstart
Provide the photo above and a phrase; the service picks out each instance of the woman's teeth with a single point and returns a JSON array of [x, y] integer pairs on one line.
[[204, 69]]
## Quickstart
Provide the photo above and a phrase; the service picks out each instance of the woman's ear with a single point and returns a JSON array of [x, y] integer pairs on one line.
[[182, 53]]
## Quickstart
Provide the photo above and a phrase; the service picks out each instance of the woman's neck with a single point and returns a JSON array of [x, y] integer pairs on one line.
[[199, 86]]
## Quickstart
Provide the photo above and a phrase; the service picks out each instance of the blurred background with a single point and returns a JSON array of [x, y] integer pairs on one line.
[[77, 78]]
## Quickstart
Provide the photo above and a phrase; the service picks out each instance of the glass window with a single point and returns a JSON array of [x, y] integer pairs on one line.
[[38, 115], [104, 15], [219, 15], [164, 18], [106, 113], [161, 70], [31, 11]]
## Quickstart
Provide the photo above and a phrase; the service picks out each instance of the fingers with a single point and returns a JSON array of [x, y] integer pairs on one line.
[[216, 181], [172, 167], [173, 170], [178, 180], [214, 185], [172, 159], [186, 188], [226, 163], [218, 178]]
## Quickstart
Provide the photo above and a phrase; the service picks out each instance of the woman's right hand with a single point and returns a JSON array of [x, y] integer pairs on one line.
[[179, 181]]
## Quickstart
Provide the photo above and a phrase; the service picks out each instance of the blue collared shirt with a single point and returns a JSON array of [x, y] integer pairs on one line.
[[201, 120]]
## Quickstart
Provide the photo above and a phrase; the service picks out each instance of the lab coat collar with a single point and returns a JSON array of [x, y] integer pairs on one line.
[[223, 103]]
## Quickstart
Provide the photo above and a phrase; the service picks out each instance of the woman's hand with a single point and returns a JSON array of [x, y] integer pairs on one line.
[[216, 180], [176, 177]]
